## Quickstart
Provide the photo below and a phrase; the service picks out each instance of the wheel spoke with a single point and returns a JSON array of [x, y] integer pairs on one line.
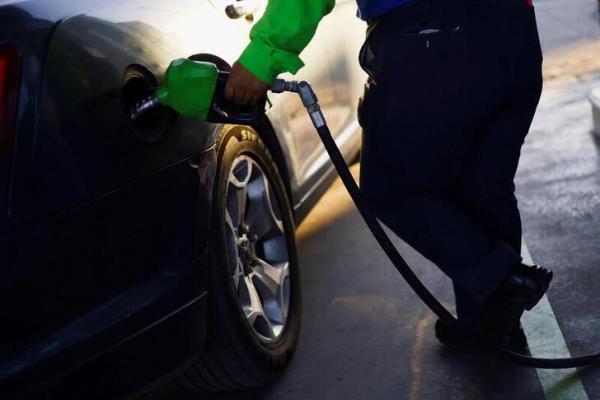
[[238, 274], [271, 277], [262, 217], [241, 172], [229, 222], [285, 290], [237, 199], [233, 259], [271, 284], [255, 303], [255, 313], [237, 191]]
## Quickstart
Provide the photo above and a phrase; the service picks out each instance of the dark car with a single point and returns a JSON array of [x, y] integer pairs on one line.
[[165, 247]]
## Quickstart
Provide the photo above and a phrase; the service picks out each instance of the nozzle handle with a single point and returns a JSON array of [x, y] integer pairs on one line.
[[225, 111]]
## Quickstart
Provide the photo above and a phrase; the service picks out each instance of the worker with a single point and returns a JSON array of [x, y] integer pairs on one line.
[[451, 92]]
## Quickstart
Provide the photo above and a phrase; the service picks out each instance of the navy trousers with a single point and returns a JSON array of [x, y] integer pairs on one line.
[[453, 86]]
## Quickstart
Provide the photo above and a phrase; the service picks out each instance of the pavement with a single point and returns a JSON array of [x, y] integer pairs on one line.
[[365, 335]]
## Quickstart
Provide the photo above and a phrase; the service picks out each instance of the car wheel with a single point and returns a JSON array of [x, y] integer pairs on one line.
[[254, 304]]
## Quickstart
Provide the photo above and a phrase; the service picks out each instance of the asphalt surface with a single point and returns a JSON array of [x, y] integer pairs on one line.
[[366, 336]]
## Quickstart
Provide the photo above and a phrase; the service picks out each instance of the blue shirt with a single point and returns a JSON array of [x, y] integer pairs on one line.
[[368, 9]]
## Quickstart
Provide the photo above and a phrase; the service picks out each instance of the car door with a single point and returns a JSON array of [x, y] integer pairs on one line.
[[110, 215]]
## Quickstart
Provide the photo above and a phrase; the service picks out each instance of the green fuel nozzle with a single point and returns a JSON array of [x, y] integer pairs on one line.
[[195, 89], [188, 87]]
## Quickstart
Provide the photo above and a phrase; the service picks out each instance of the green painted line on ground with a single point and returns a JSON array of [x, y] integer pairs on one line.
[[546, 340]]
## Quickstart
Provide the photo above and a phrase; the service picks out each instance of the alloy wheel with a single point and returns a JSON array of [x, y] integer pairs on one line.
[[257, 248]]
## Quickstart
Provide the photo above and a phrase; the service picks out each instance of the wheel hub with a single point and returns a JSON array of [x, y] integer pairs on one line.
[[246, 247]]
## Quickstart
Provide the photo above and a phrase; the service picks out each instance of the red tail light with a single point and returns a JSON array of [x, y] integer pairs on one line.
[[10, 67]]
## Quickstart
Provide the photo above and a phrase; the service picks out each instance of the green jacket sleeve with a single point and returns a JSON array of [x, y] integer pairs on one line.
[[277, 39]]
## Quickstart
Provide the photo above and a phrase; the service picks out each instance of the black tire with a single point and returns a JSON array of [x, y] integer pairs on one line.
[[235, 357]]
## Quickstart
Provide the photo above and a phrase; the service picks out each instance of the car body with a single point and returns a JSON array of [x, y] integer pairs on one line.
[[103, 230]]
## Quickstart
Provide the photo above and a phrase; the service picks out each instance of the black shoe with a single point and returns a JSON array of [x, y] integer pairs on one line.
[[521, 290], [459, 338], [454, 336], [518, 342]]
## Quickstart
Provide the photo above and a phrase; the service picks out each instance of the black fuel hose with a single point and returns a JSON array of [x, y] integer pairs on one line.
[[409, 276]]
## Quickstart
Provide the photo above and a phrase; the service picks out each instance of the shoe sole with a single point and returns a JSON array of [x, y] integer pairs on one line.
[[452, 341]]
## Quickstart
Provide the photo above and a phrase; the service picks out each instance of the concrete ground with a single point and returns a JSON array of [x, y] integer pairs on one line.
[[366, 336]]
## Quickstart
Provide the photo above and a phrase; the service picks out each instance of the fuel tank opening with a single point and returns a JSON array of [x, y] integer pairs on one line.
[[138, 84]]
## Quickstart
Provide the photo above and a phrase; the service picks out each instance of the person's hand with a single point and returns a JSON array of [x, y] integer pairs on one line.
[[243, 87]]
